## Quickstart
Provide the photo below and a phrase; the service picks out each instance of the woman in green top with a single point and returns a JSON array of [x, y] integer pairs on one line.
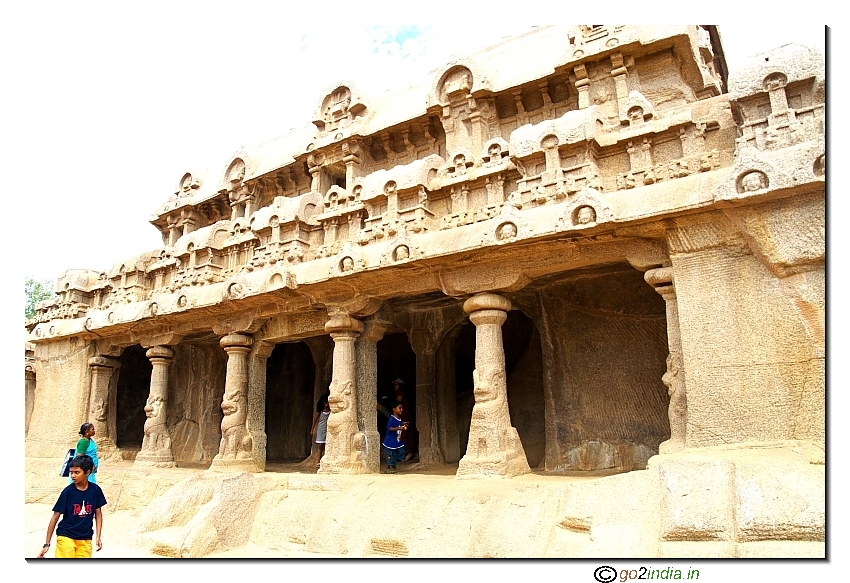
[[87, 446]]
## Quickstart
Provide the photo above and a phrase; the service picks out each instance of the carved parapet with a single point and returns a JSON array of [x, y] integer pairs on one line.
[[780, 97]]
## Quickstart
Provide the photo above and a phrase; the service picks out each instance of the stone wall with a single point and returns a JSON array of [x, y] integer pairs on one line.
[[765, 361], [604, 346], [195, 390], [61, 397]]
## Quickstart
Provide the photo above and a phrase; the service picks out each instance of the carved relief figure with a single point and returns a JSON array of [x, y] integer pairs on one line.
[[236, 443], [347, 264], [157, 439], [678, 409], [507, 231], [775, 81], [346, 447], [460, 164], [495, 153], [99, 410], [585, 215], [752, 181], [402, 252]]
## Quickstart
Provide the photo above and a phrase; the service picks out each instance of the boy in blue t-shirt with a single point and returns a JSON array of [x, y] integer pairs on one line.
[[393, 442], [80, 505]]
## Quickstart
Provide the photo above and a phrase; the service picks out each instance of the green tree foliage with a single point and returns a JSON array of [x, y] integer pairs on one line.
[[36, 291]]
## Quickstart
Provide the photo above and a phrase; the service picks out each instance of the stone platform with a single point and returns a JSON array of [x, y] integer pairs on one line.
[[734, 502]]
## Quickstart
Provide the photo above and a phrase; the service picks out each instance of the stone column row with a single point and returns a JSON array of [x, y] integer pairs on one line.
[[236, 450], [353, 445]]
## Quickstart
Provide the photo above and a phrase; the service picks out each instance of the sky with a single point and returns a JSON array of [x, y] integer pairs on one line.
[[113, 105]]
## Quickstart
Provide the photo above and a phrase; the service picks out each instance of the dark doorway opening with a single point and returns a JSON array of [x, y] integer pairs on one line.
[[290, 377], [396, 360], [133, 388]]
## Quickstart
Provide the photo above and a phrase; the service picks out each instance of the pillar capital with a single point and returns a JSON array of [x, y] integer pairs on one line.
[[659, 276], [486, 301], [159, 352], [373, 330], [342, 324], [236, 341], [104, 361], [263, 348]]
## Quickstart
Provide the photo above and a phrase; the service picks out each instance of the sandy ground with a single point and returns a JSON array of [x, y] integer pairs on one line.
[[118, 542]]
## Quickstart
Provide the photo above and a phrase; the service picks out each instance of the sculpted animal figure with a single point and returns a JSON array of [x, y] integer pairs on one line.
[[156, 437], [236, 442], [494, 447], [346, 448]]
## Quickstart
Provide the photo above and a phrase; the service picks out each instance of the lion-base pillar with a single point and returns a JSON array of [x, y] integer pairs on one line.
[[156, 444], [235, 453], [345, 452], [494, 448]]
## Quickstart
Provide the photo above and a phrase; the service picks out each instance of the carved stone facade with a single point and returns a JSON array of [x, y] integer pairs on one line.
[[496, 238]]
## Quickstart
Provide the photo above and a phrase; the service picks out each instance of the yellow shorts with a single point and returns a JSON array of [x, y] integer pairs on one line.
[[68, 548]]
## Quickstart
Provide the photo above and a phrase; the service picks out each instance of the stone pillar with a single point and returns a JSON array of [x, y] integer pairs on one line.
[[156, 445], [621, 82], [256, 420], [582, 86], [447, 397], [102, 369], [366, 347], [494, 448], [29, 394], [236, 450], [321, 347], [661, 279], [425, 342], [346, 446]]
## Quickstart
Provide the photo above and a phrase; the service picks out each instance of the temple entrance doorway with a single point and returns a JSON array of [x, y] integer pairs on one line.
[[524, 371], [396, 360], [133, 388], [290, 403]]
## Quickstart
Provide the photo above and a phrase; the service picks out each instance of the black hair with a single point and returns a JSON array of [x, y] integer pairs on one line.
[[83, 462], [84, 428], [398, 404]]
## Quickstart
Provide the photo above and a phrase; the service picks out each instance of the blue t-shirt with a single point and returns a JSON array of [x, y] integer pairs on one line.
[[393, 439], [77, 508]]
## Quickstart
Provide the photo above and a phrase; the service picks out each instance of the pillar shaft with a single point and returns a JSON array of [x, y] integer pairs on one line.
[[346, 446], [102, 369], [661, 280], [235, 453], [156, 445], [425, 341], [256, 420], [366, 347], [29, 395], [494, 448]]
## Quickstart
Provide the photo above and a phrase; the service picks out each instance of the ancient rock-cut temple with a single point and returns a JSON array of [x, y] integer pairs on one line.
[[587, 248]]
